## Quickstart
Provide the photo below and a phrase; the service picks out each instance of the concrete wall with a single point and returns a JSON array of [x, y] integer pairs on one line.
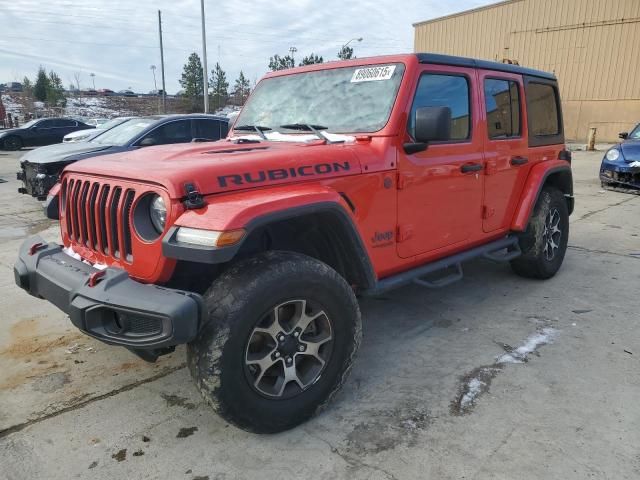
[[593, 47]]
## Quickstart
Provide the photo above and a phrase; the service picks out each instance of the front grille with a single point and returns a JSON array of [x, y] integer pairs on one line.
[[97, 216]]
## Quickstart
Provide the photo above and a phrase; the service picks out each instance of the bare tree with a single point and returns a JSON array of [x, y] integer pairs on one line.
[[76, 77]]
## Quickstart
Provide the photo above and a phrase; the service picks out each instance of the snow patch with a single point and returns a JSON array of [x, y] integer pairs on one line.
[[11, 106], [75, 255], [531, 344], [474, 388]]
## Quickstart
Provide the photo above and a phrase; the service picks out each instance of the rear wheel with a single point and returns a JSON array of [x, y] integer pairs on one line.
[[544, 243], [282, 335], [12, 143]]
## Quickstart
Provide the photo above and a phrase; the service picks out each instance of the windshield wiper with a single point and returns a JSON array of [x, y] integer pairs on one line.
[[308, 127], [256, 128]]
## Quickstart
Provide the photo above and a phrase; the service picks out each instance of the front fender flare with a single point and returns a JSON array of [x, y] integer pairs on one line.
[[253, 209]]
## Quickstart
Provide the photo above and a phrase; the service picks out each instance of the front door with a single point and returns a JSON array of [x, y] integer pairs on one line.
[[440, 188], [506, 147]]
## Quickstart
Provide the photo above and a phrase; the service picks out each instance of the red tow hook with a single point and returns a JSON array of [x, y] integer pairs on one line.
[[35, 247], [95, 277]]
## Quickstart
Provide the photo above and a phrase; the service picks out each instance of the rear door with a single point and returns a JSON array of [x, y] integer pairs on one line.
[[506, 146], [440, 188]]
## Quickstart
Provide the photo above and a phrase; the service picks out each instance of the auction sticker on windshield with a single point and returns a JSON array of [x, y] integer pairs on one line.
[[370, 74]]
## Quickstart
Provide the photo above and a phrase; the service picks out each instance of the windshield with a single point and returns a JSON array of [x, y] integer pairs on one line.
[[110, 124], [30, 123], [124, 133], [344, 100], [635, 134]]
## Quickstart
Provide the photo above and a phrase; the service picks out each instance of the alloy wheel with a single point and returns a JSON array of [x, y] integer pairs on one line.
[[288, 349], [551, 234]]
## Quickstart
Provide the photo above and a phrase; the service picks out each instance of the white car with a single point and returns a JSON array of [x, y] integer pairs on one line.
[[86, 135], [96, 122]]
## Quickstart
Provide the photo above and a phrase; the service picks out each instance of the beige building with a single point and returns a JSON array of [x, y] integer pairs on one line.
[[593, 47]]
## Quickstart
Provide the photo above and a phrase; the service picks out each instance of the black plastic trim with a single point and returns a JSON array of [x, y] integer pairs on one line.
[[454, 61], [109, 310]]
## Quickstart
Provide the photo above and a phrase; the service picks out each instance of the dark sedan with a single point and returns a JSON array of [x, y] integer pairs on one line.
[[43, 131], [620, 168], [40, 168]]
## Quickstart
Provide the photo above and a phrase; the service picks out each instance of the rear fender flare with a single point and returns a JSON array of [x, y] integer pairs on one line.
[[557, 173]]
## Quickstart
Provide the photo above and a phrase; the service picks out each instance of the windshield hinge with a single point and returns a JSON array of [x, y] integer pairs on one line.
[[193, 198]]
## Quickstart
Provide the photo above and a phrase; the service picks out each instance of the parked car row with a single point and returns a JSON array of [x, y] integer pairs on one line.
[[41, 168]]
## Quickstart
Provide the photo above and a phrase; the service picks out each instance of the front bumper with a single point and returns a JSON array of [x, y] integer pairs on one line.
[[624, 177], [35, 183], [108, 304]]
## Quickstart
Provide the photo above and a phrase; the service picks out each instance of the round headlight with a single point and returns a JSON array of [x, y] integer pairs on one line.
[[613, 155], [158, 212]]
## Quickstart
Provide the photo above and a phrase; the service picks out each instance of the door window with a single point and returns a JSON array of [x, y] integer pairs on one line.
[[46, 124], [439, 90], [502, 101], [172, 132], [209, 129]]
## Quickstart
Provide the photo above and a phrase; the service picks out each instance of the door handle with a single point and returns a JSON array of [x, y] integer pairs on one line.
[[471, 167], [516, 161]]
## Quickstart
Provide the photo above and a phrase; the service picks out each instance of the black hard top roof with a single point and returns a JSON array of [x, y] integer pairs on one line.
[[485, 64]]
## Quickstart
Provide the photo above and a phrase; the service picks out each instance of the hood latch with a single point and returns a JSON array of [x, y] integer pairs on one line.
[[193, 198]]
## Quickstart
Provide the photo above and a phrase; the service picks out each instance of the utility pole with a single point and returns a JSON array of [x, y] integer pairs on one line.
[[205, 75], [93, 78], [164, 89]]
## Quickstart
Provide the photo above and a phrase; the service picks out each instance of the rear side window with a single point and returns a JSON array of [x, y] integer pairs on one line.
[[502, 101], [437, 90], [543, 110]]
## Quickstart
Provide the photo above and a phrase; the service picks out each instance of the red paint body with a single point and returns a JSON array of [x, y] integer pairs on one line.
[[432, 209]]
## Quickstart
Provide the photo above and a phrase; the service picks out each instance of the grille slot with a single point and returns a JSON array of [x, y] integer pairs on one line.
[[98, 216]]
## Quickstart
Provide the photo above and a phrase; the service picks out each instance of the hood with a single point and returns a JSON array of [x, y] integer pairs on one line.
[[226, 166], [60, 151], [10, 130], [631, 150]]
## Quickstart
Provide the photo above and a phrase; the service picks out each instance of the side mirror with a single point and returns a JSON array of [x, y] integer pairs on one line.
[[623, 135], [432, 124], [148, 142]]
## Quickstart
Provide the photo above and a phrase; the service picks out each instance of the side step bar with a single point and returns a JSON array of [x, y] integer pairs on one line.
[[502, 250]]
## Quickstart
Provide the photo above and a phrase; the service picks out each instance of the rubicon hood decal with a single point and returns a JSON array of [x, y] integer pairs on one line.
[[220, 167], [262, 176]]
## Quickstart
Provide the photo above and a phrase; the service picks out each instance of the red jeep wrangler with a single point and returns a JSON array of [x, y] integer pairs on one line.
[[340, 179]]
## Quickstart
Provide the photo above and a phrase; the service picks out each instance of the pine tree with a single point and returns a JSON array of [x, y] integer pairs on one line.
[[281, 63], [311, 59], [41, 86], [241, 89], [55, 90], [219, 86], [192, 80], [345, 53]]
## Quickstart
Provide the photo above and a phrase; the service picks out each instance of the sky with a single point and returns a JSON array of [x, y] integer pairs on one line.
[[117, 40]]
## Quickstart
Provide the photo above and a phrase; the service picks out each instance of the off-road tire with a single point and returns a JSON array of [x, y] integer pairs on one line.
[[12, 143], [534, 261], [236, 301]]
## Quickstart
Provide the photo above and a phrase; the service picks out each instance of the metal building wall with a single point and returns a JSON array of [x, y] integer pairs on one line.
[[593, 47]]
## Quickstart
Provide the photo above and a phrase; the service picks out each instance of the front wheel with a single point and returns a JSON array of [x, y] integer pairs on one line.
[[544, 243], [12, 143], [282, 334]]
